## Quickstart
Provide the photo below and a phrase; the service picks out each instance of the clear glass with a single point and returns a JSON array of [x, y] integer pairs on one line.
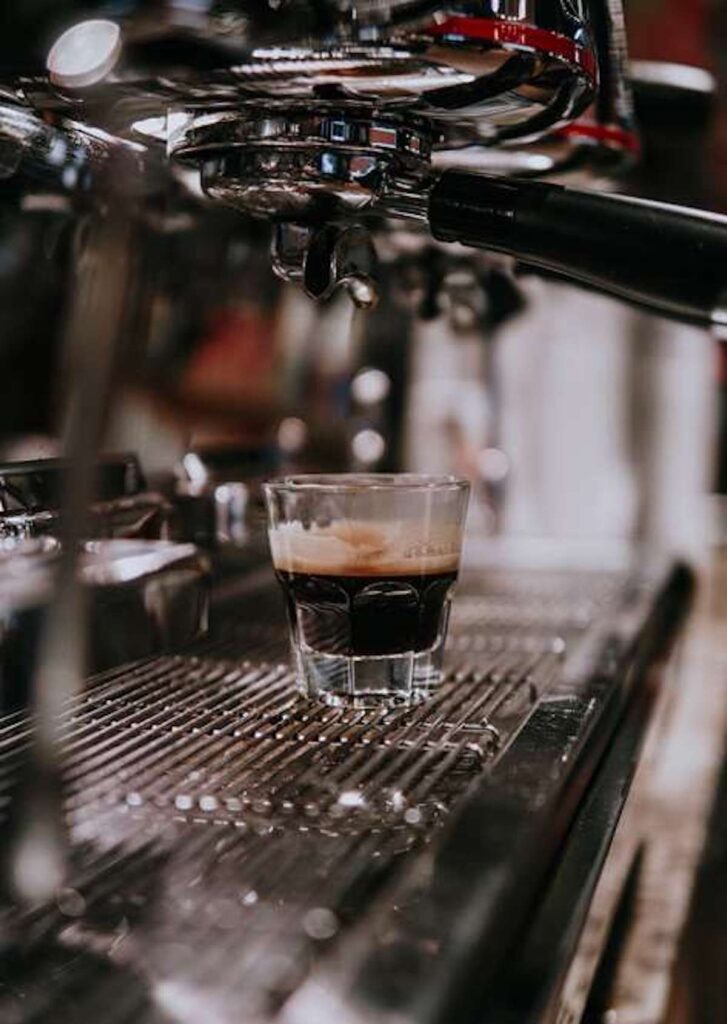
[[367, 563]]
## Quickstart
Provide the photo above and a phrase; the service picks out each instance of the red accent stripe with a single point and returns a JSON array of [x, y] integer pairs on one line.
[[611, 134], [512, 33]]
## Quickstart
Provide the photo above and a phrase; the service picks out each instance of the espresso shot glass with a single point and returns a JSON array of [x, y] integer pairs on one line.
[[367, 564]]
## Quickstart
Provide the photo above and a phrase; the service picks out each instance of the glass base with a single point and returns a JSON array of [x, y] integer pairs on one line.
[[394, 680]]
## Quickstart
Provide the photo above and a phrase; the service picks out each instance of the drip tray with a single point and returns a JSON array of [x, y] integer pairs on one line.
[[239, 854]]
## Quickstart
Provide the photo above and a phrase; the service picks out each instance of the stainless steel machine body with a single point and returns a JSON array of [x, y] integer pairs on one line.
[[185, 839]]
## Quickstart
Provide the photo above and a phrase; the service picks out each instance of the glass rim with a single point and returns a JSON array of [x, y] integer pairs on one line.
[[349, 483]]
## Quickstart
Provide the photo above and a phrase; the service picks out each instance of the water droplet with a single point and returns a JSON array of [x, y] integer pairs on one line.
[[352, 798], [397, 800]]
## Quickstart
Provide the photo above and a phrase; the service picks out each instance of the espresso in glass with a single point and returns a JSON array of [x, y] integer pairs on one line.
[[368, 566]]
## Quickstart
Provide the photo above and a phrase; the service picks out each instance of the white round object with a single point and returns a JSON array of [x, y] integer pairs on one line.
[[370, 386], [368, 447], [84, 54]]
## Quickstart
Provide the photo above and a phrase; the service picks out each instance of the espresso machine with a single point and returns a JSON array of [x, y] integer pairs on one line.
[[220, 219]]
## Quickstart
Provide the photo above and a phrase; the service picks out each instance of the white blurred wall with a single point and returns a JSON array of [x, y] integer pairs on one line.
[[608, 419], [564, 369], [606, 416]]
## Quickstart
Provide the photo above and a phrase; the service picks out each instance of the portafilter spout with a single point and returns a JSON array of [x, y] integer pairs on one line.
[[326, 258]]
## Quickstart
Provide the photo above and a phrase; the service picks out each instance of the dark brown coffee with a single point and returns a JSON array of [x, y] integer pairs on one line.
[[367, 615]]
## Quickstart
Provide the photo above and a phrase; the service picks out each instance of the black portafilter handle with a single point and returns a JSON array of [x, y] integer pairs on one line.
[[670, 259]]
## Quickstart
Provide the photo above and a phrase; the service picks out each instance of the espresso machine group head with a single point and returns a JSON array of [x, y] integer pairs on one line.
[[331, 119]]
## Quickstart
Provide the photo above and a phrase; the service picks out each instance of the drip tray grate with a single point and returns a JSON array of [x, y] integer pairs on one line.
[[217, 739], [224, 830]]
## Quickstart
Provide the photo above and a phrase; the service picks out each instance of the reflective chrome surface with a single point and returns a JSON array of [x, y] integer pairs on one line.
[[291, 160], [143, 596], [472, 73], [31, 499]]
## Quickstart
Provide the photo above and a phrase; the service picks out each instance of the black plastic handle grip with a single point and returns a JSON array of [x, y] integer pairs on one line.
[[668, 258]]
